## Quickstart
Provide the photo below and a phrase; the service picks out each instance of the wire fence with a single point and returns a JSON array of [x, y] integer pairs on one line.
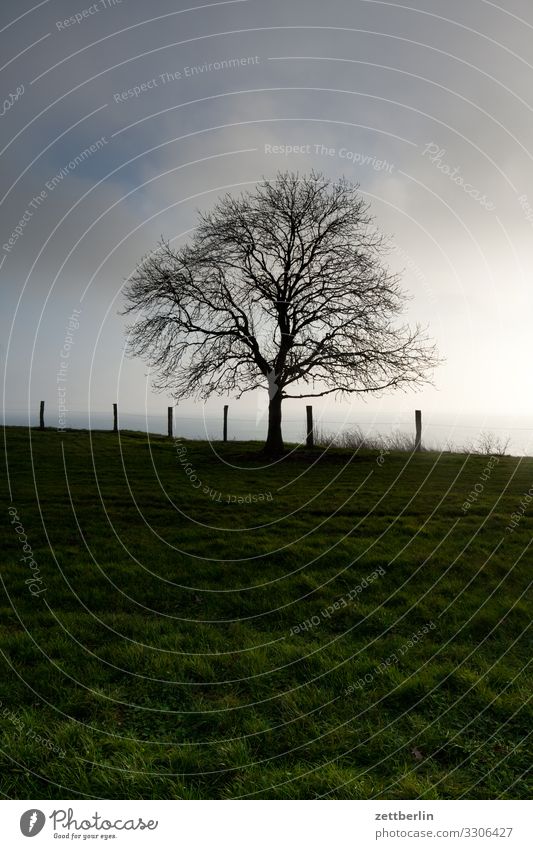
[[432, 431]]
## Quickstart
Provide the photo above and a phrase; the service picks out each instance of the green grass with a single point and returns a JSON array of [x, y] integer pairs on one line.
[[163, 661]]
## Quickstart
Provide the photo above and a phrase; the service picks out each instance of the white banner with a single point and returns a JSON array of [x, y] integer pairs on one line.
[[267, 824]]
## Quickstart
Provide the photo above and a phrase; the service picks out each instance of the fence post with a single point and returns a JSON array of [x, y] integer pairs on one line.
[[170, 422], [310, 438], [225, 437], [41, 416], [115, 418], [418, 424]]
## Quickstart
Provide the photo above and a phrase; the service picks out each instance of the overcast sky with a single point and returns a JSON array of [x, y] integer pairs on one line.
[[427, 105]]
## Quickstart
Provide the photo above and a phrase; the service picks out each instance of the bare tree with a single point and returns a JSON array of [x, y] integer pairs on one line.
[[282, 288]]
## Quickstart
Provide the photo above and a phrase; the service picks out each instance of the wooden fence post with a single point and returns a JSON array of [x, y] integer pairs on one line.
[[115, 418], [418, 424], [310, 437], [170, 422], [225, 437], [41, 416]]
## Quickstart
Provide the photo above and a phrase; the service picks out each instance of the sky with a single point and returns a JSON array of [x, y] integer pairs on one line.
[[122, 119]]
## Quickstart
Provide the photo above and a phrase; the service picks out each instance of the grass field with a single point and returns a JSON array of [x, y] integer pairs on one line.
[[353, 634]]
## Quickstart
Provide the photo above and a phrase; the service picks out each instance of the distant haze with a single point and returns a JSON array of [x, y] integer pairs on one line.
[[120, 122]]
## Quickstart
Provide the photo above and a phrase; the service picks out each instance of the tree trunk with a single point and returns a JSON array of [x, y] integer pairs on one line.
[[274, 442]]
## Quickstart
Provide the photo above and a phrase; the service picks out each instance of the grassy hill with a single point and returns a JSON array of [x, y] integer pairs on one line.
[[190, 624]]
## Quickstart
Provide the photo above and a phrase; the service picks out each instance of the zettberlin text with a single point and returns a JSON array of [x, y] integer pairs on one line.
[[399, 815]]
